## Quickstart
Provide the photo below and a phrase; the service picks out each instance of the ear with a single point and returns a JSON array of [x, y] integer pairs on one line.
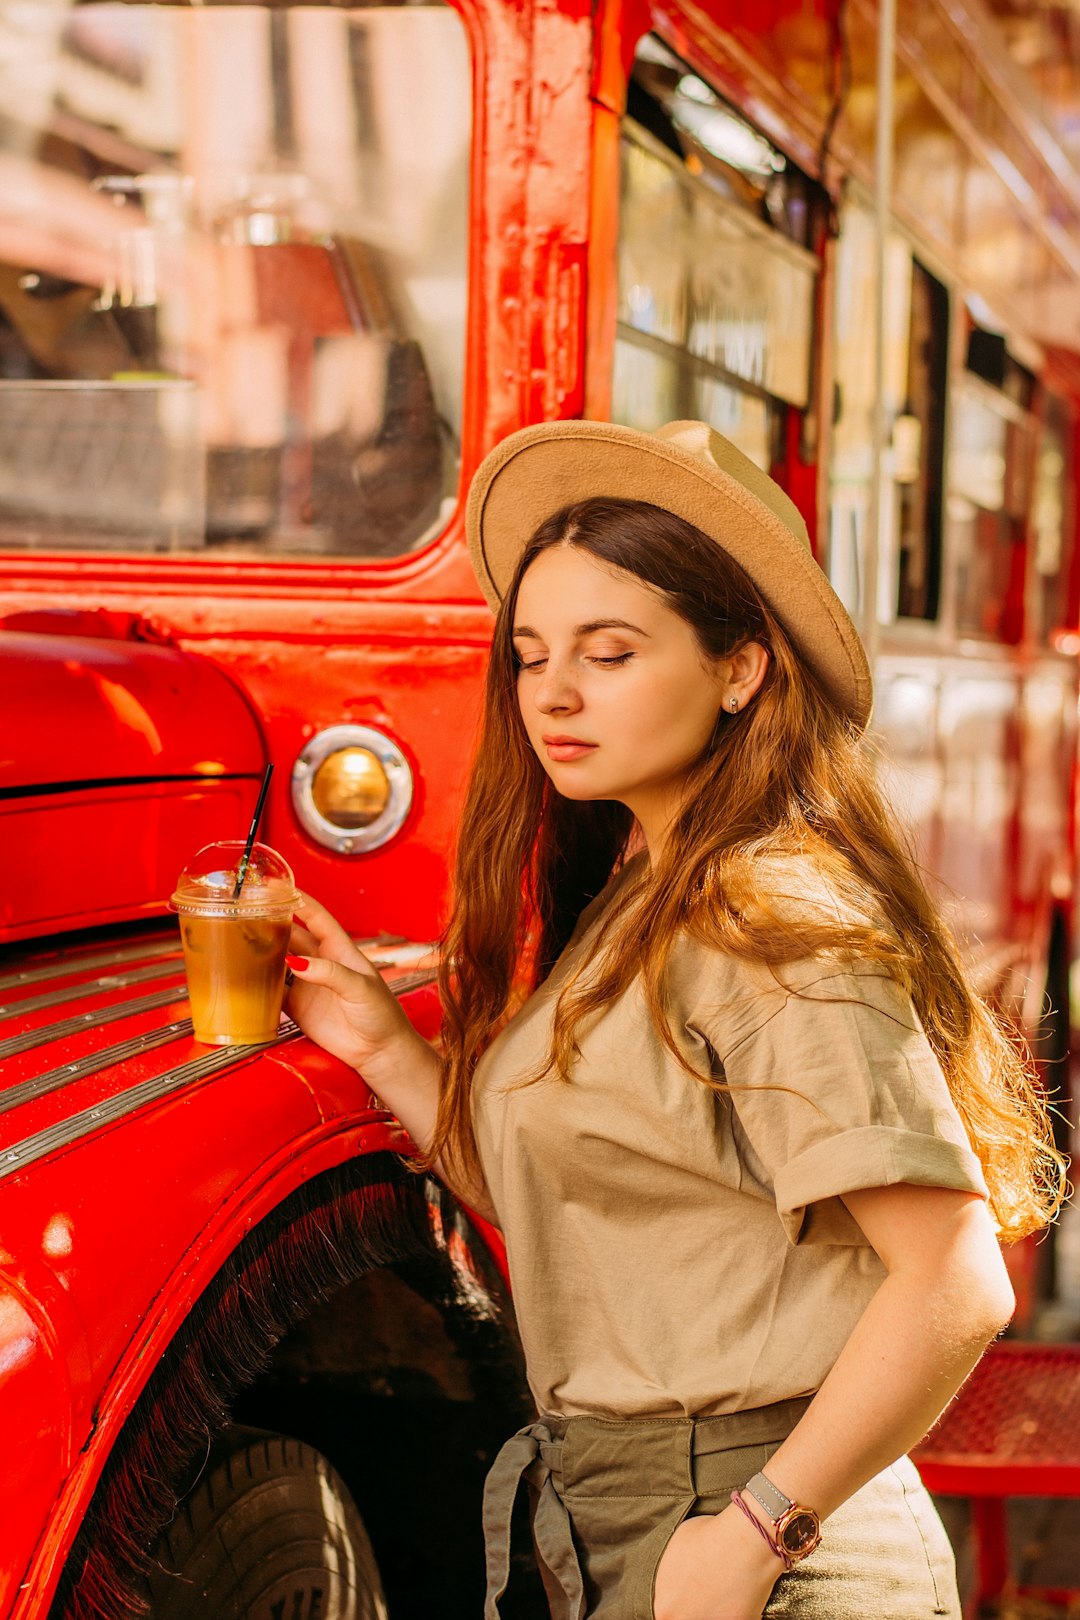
[[747, 670]]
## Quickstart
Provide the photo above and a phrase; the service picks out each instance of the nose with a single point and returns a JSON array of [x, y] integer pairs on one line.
[[556, 691]]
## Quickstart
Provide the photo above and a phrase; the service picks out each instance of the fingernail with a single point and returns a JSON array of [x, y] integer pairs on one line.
[[299, 964]]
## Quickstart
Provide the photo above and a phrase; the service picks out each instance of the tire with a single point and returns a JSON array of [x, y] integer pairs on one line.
[[268, 1532]]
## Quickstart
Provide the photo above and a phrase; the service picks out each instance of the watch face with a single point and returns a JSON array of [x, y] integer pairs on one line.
[[800, 1535]]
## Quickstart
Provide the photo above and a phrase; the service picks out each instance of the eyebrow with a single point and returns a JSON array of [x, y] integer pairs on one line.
[[587, 628]]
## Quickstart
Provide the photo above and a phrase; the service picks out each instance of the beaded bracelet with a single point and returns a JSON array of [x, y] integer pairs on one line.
[[774, 1546]]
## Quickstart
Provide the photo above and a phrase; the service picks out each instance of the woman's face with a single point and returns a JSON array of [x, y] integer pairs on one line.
[[617, 697]]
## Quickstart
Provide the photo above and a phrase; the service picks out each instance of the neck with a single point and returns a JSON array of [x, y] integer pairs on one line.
[[654, 817]]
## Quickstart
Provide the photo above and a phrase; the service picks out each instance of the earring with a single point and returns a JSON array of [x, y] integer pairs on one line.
[[733, 704]]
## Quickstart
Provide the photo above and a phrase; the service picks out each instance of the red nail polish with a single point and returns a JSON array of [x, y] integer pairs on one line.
[[299, 964]]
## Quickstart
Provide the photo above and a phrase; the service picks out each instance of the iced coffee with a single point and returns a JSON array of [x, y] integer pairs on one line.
[[235, 941]]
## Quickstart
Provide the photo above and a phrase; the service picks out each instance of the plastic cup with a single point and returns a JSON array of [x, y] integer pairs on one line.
[[234, 947]]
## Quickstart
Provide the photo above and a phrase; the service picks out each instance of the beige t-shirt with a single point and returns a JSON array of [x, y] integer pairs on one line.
[[677, 1252]]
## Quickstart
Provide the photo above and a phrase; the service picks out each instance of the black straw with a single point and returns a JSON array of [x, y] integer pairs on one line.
[[246, 856]]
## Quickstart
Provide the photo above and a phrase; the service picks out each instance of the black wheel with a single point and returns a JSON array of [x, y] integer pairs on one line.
[[268, 1532]]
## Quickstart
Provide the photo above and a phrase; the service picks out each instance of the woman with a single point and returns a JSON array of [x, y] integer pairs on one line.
[[750, 1136]]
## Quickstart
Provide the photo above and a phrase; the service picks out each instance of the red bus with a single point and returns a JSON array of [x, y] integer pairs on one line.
[[272, 280]]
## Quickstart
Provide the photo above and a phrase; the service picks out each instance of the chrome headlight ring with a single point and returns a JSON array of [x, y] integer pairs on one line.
[[352, 840]]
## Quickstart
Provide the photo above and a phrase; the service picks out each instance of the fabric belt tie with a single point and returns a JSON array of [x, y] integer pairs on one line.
[[530, 1455]]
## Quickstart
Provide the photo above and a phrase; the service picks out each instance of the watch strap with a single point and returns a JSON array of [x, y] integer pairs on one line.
[[768, 1496], [796, 1530]]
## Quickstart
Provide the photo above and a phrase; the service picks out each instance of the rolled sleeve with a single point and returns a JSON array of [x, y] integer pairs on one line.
[[836, 1091], [808, 1188]]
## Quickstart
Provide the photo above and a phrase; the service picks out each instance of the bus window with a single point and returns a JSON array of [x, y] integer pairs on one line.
[[914, 385], [989, 478], [918, 466], [232, 276], [716, 285], [851, 462], [1049, 592]]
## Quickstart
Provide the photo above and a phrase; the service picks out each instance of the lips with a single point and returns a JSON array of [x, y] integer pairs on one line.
[[562, 749]]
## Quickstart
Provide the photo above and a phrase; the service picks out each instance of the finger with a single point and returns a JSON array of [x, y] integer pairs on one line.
[[322, 973], [301, 941], [330, 941], [319, 922]]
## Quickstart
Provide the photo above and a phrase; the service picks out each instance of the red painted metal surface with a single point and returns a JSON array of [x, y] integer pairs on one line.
[[120, 759], [90, 708], [110, 1236], [400, 642]]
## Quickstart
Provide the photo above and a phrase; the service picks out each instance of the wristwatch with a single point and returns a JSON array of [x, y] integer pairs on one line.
[[796, 1529]]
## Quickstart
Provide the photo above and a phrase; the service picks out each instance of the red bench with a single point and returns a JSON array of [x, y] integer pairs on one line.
[[1013, 1430]]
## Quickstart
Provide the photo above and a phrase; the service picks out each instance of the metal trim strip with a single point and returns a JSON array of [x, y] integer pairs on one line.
[[95, 987], [155, 946], [150, 950], [89, 1020], [113, 1109], [89, 1120], [55, 1079], [413, 981]]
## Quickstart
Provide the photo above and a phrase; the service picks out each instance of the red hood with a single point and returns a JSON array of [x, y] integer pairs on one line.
[[112, 745]]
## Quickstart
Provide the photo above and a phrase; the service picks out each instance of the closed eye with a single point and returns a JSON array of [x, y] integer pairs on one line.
[[612, 661]]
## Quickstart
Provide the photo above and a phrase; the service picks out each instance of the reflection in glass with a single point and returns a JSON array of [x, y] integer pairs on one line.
[[751, 302], [915, 367], [697, 272], [232, 275], [1050, 591], [918, 448], [989, 447], [744, 419], [654, 244], [650, 388], [715, 306], [647, 388]]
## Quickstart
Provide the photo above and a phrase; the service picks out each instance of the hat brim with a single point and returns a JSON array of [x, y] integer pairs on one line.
[[537, 471]]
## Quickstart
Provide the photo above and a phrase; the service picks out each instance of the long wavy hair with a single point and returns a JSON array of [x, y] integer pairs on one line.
[[788, 776]]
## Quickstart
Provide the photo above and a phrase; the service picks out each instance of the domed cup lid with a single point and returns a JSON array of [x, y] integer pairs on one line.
[[207, 885]]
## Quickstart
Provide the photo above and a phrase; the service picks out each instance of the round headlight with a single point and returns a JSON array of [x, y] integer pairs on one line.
[[352, 788]]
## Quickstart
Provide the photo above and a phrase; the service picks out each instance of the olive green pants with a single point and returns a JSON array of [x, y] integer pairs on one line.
[[607, 1495]]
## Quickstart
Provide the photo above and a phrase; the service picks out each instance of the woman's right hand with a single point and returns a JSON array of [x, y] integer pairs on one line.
[[340, 1000], [714, 1568]]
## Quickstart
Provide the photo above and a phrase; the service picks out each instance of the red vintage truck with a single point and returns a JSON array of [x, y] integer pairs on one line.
[[187, 1225], [272, 281]]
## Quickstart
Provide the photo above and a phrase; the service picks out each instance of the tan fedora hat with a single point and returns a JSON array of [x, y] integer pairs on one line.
[[689, 469]]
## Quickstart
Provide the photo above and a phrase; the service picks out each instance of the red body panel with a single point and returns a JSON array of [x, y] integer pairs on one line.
[[88, 708], [117, 757], [35, 1391], [186, 1176], [978, 759]]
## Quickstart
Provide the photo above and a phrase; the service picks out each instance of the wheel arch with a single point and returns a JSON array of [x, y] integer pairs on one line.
[[367, 1212]]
